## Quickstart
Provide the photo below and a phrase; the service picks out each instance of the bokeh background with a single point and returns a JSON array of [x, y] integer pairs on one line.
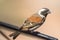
[[16, 11]]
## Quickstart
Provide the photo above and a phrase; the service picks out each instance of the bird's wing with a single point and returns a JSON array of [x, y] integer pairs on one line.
[[35, 19], [33, 22], [37, 25]]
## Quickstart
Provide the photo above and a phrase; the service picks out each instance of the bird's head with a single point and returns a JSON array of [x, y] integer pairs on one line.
[[44, 12]]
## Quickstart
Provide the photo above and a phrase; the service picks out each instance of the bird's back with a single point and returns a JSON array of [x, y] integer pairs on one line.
[[35, 18]]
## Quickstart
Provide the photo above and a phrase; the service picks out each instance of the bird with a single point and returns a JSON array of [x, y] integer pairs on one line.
[[33, 22]]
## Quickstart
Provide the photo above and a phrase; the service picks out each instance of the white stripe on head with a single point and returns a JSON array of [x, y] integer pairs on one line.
[[39, 13]]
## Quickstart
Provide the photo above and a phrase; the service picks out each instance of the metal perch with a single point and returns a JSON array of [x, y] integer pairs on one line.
[[34, 33]]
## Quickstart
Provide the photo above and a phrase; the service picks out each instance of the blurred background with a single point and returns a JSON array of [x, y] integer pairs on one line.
[[16, 11]]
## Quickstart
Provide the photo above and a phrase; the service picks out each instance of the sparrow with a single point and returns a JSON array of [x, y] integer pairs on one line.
[[33, 22]]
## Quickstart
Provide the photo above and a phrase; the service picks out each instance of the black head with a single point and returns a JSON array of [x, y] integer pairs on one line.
[[44, 11]]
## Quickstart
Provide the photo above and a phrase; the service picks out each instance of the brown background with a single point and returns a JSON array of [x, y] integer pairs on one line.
[[16, 11]]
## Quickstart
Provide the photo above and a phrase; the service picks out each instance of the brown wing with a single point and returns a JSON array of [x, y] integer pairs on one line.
[[35, 19]]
